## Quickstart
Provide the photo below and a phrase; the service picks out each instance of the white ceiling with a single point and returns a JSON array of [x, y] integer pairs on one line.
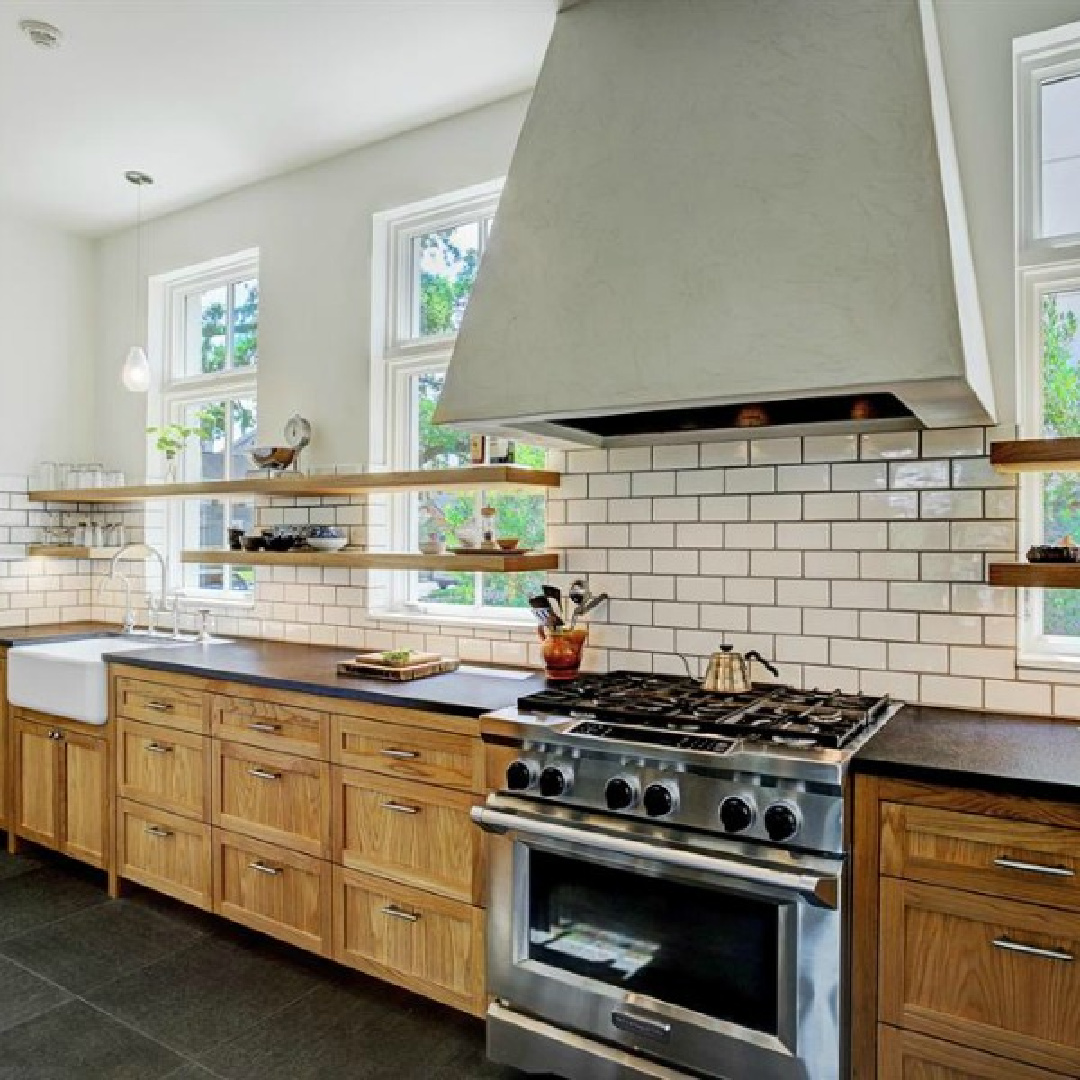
[[209, 95]]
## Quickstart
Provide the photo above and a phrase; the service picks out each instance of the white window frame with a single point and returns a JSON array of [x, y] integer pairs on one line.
[[1044, 265], [180, 390], [399, 355]]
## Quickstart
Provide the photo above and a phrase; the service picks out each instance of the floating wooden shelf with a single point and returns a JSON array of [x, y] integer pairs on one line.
[[1036, 455], [1036, 575], [69, 551], [495, 562], [289, 486]]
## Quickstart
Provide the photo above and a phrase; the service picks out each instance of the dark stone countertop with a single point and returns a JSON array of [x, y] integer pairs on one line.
[[47, 632], [1006, 752], [468, 692]]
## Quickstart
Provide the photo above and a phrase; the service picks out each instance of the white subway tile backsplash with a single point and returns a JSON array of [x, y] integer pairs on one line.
[[864, 476], [951, 629], [831, 448], [776, 564], [951, 504], [648, 484], [675, 562], [952, 691], [775, 620], [725, 508], [889, 445], [843, 652], [860, 594], [982, 663], [630, 459], [831, 506], [609, 486], [726, 618], [652, 587], [1019, 697], [919, 596], [750, 591], [799, 592], [889, 626], [776, 507], [919, 535], [978, 473], [953, 442], [862, 536], [725, 563], [753, 535], [831, 564], [695, 535], [889, 565], [724, 454], [828, 622], [801, 536], [983, 536], [751, 481], [803, 478], [679, 456], [680, 508]]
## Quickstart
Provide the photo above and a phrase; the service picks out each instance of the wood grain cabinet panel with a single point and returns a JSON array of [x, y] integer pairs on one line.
[[280, 892], [1017, 860], [995, 975], [5, 748], [406, 753], [427, 943], [272, 725], [906, 1055], [279, 798], [163, 768], [413, 833], [166, 852], [85, 798], [36, 758], [170, 704]]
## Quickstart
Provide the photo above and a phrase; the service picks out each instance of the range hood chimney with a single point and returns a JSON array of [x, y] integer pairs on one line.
[[727, 213]]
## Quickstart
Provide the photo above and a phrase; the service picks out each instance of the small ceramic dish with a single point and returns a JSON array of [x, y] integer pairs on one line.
[[327, 543], [509, 543]]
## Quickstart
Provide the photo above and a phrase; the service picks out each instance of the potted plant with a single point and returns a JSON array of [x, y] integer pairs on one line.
[[170, 440]]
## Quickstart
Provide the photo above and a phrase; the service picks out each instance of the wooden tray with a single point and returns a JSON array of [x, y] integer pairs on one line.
[[372, 666]]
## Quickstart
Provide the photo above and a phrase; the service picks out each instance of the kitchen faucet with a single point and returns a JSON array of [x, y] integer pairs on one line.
[[147, 551]]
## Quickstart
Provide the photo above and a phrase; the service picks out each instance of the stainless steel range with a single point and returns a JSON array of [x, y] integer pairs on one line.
[[669, 879]]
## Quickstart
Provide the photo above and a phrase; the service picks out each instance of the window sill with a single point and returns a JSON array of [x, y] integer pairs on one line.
[[225, 607], [1048, 662], [431, 618]]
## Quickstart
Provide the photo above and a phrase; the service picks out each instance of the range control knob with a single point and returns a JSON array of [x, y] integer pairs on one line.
[[660, 799], [781, 821], [621, 793], [555, 780], [736, 814], [521, 775]]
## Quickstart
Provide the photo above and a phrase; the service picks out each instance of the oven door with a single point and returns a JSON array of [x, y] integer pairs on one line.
[[695, 957]]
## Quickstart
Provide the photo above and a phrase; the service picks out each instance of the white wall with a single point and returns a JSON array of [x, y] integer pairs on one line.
[[313, 229], [976, 38], [47, 345]]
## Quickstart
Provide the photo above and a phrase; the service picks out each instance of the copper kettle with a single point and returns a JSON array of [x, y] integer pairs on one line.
[[729, 672]]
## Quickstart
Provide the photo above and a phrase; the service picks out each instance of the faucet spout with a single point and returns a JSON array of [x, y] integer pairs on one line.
[[137, 550]]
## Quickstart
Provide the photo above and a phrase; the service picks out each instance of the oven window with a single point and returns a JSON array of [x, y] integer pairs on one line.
[[711, 952]]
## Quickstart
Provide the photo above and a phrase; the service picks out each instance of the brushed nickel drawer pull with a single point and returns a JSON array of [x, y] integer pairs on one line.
[[56, 735], [264, 774], [400, 808], [1032, 950], [262, 868], [160, 706], [157, 830], [1034, 868], [397, 913], [400, 755], [158, 748], [265, 728]]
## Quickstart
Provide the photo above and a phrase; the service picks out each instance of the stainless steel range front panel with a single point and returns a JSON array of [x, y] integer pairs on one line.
[[699, 957]]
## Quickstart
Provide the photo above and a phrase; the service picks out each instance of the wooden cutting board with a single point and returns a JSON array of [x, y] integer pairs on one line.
[[420, 666]]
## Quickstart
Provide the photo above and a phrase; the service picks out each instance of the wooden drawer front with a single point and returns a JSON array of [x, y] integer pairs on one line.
[[276, 727], [273, 890], [424, 942], [164, 852], [419, 835], [1013, 859], [279, 798], [955, 965], [164, 768], [159, 703], [906, 1055], [409, 753]]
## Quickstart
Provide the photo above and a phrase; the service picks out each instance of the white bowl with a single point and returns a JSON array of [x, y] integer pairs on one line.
[[327, 543]]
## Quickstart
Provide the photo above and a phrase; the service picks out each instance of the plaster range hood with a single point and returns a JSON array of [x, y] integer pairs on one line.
[[723, 214]]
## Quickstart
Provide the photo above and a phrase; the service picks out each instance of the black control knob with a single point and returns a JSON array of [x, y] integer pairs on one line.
[[781, 822], [736, 814], [520, 775], [620, 793], [659, 800], [554, 780]]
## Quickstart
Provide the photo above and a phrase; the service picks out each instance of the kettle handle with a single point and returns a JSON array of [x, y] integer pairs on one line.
[[753, 654]]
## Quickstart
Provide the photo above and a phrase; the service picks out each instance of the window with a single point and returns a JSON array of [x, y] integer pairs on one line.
[[432, 253], [1048, 260], [211, 354]]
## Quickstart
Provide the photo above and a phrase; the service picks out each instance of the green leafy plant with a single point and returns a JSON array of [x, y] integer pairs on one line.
[[172, 438]]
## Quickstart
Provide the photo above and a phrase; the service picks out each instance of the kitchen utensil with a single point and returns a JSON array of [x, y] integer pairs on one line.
[[590, 605], [579, 592], [554, 594], [729, 672], [543, 603], [273, 457]]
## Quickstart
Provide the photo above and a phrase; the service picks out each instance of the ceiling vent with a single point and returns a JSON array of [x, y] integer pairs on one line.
[[44, 35]]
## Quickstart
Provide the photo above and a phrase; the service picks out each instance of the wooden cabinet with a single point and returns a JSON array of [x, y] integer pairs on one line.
[[966, 936], [62, 795], [160, 698], [279, 798], [271, 724], [424, 942], [415, 833], [164, 851], [164, 768], [269, 888], [5, 747]]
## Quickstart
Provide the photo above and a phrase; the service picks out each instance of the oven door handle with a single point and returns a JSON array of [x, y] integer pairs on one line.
[[822, 890]]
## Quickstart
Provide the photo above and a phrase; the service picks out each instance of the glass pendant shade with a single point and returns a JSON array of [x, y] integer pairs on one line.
[[136, 371]]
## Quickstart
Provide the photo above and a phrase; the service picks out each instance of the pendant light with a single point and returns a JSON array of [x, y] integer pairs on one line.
[[136, 370]]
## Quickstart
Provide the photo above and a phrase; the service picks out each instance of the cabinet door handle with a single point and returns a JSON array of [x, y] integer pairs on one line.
[[160, 706], [157, 830], [55, 735], [400, 808], [264, 727], [398, 913], [263, 868], [1032, 950], [158, 748], [264, 774], [400, 755], [1033, 868]]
